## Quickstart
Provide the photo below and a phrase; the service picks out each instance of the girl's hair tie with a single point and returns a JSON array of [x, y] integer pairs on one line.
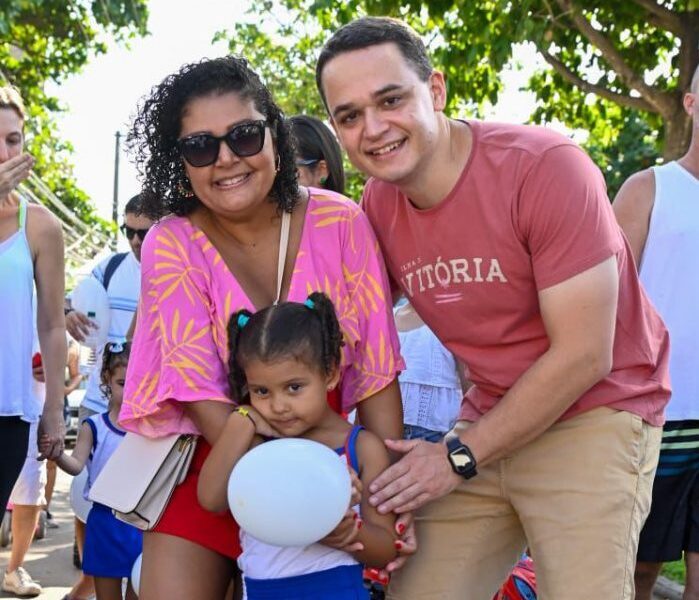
[[243, 321], [115, 347], [309, 303]]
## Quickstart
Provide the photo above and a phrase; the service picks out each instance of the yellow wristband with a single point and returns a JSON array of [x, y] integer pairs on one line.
[[245, 412]]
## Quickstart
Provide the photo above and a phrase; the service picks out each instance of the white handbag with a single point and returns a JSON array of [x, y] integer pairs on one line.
[[139, 478]]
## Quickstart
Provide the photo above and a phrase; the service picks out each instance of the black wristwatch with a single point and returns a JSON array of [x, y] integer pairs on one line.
[[461, 458]]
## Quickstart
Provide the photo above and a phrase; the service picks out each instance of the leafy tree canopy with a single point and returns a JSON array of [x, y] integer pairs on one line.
[[614, 68], [48, 40]]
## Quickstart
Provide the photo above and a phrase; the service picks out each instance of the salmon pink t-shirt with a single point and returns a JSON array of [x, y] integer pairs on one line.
[[529, 211], [188, 294]]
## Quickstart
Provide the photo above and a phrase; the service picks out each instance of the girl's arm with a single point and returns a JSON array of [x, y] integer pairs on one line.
[[73, 365], [373, 533], [75, 463], [235, 439]]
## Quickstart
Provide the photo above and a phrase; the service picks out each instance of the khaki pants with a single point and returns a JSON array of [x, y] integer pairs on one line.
[[577, 496]]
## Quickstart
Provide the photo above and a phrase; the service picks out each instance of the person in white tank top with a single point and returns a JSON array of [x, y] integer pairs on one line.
[[658, 209], [31, 254]]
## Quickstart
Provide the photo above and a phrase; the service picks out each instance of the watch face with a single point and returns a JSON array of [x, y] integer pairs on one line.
[[460, 459]]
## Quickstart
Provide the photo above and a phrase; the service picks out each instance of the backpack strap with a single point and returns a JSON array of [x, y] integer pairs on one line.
[[112, 266]]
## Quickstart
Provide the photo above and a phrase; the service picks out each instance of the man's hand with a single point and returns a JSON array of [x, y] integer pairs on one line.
[[52, 431], [422, 475], [78, 325], [13, 171]]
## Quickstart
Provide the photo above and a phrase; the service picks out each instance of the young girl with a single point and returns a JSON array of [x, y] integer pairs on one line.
[[111, 546], [283, 360]]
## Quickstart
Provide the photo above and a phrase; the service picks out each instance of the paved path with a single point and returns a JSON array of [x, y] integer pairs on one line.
[[50, 561]]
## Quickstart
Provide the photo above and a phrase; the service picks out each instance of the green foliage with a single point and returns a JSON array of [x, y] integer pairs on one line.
[[48, 40], [675, 571], [615, 68]]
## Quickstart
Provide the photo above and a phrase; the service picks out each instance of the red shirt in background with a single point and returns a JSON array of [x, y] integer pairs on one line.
[[529, 211]]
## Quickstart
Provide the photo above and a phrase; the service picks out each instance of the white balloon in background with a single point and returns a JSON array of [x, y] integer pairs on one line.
[[136, 574], [90, 298], [289, 492], [80, 506]]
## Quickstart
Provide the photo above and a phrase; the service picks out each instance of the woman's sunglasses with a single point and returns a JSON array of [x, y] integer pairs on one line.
[[129, 232], [201, 149]]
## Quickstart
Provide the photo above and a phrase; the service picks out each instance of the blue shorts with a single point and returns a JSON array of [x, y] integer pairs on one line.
[[415, 432], [340, 583], [111, 546]]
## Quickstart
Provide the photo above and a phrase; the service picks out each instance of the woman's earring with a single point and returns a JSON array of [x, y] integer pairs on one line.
[[277, 163], [185, 189], [323, 180]]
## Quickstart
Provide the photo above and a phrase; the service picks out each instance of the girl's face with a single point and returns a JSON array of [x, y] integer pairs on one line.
[[117, 378], [11, 136], [290, 395], [233, 185]]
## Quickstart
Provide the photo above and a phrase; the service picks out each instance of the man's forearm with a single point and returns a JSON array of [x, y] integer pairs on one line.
[[534, 403]]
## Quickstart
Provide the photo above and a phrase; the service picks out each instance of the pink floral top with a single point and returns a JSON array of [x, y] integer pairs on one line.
[[188, 294]]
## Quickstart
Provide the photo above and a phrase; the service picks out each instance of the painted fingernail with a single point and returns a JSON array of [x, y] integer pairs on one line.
[[359, 524], [401, 528], [355, 516], [398, 544]]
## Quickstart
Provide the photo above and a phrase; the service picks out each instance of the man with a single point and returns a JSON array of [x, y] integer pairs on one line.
[[123, 272], [658, 209], [121, 276], [503, 239]]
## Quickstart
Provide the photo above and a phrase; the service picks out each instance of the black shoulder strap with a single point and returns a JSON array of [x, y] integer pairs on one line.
[[112, 266]]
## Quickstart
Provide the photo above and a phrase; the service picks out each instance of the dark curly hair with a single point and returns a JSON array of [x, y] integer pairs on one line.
[[309, 332], [114, 355], [156, 128]]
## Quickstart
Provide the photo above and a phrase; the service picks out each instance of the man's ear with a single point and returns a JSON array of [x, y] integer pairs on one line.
[[438, 89]]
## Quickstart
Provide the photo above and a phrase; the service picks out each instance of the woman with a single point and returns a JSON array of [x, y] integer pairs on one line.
[[318, 156], [215, 150], [31, 254]]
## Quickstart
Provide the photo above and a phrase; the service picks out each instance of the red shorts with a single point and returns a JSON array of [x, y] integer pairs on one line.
[[184, 517]]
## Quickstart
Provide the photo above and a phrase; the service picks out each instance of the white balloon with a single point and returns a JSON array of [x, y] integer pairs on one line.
[[136, 574], [80, 506], [90, 298], [289, 492]]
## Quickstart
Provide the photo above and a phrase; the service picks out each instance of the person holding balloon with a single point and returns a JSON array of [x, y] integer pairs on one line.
[[283, 360], [235, 230], [111, 546]]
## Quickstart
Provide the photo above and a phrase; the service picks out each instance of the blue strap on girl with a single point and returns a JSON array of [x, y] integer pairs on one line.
[[242, 321], [309, 303]]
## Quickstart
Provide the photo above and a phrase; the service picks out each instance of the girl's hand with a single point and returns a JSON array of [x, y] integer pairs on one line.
[[262, 428], [13, 171], [344, 536]]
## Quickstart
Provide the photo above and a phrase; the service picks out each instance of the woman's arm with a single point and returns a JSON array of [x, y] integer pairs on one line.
[[75, 463], [382, 413], [44, 232], [209, 416], [235, 440]]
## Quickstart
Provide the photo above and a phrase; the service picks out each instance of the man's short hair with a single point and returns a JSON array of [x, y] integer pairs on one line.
[[372, 31], [134, 206], [694, 87]]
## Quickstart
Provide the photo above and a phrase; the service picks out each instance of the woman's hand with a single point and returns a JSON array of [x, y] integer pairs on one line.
[[13, 171], [52, 430], [344, 536], [357, 487]]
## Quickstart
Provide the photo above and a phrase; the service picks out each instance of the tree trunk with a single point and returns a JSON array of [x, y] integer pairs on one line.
[[678, 134]]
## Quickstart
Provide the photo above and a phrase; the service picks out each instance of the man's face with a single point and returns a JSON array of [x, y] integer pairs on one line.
[[134, 225], [384, 115]]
